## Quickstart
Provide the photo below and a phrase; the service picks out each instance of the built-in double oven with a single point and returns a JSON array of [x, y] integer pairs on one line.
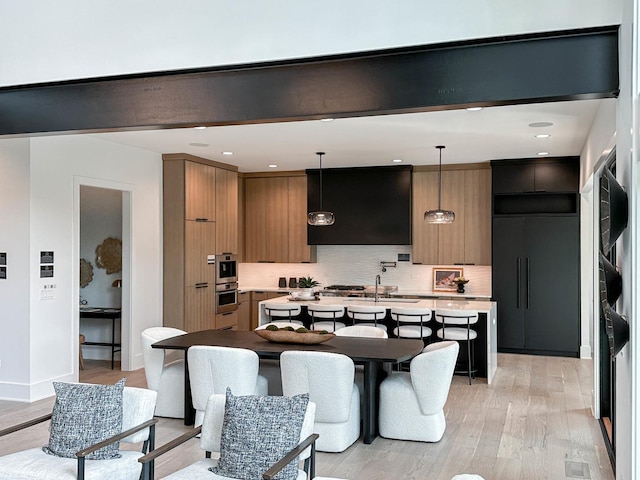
[[226, 282]]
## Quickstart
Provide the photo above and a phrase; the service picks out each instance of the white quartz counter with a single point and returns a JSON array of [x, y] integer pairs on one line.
[[481, 306]]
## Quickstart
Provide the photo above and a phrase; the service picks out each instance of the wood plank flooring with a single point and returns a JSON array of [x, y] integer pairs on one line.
[[533, 422]]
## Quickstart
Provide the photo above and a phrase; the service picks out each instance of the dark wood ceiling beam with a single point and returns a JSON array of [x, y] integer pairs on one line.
[[504, 71]]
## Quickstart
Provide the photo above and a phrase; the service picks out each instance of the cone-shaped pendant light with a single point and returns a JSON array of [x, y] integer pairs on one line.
[[439, 215], [320, 218]]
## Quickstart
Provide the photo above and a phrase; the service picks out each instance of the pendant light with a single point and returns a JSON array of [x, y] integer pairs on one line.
[[320, 218], [439, 215]]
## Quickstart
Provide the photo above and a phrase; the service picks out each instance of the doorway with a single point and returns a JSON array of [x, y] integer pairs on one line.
[[102, 253]]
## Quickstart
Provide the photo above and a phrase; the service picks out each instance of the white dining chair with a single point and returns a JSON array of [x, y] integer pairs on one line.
[[213, 369], [369, 315]]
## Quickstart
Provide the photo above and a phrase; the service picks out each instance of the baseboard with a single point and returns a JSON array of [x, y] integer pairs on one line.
[[585, 351], [21, 392]]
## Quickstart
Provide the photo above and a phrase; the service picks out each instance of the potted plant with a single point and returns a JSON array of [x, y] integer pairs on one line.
[[307, 283]]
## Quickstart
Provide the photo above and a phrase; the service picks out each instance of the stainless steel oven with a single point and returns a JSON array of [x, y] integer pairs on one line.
[[226, 268], [226, 297]]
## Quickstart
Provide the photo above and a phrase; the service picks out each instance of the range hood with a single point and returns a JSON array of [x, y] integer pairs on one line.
[[372, 205]]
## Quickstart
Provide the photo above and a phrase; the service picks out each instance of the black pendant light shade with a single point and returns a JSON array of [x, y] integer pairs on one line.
[[439, 215], [613, 210], [617, 330], [320, 218], [610, 281]]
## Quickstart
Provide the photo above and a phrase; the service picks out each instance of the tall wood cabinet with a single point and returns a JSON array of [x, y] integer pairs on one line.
[[536, 255], [199, 220], [466, 189], [275, 219]]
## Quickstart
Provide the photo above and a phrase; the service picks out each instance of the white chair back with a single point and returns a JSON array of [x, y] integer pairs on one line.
[[138, 406], [361, 331], [431, 374], [327, 377], [456, 317], [210, 437], [411, 315], [282, 310], [155, 358], [213, 369], [326, 311]]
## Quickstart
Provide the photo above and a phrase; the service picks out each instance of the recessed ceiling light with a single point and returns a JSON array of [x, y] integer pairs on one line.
[[200, 127], [273, 165], [397, 160], [543, 135], [542, 154], [474, 109], [227, 153], [196, 144], [327, 119], [540, 124]]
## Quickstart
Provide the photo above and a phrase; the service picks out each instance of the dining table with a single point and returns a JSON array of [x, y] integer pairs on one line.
[[372, 353]]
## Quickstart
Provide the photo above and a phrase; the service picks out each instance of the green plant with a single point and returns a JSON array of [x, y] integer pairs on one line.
[[307, 282]]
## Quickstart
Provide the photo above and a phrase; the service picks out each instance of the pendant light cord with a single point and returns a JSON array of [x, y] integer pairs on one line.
[[320, 155], [440, 147]]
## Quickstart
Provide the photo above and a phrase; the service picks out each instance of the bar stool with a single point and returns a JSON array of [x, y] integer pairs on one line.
[[333, 312], [410, 322], [464, 333], [365, 314], [283, 311]]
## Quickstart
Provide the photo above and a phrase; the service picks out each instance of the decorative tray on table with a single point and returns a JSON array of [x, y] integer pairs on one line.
[[287, 336]]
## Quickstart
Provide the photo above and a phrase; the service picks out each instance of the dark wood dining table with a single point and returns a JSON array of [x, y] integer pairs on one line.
[[370, 352]]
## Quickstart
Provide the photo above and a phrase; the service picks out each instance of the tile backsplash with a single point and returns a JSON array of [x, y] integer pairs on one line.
[[359, 265]]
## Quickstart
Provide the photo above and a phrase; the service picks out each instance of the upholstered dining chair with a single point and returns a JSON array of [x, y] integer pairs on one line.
[[411, 403], [212, 439], [361, 331], [137, 427], [328, 378], [213, 369], [164, 371]]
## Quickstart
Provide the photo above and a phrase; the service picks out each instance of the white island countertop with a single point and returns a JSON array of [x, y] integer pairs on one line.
[[481, 306]]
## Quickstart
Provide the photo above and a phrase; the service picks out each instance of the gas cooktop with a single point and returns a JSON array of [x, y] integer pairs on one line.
[[358, 290]]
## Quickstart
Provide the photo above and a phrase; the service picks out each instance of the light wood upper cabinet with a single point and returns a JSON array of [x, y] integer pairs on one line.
[[276, 219], [200, 191], [425, 235], [299, 251], [467, 191], [477, 220], [226, 211]]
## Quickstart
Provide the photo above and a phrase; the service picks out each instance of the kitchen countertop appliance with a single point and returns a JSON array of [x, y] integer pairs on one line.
[[357, 290]]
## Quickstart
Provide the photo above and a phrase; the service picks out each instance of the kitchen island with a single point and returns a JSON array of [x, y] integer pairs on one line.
[[486, 345]]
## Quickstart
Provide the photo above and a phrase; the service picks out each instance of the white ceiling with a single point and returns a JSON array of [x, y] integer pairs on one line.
[[489, 134]]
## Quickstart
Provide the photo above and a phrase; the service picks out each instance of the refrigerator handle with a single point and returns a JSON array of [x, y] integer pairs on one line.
[[528, 280], [518, 283]]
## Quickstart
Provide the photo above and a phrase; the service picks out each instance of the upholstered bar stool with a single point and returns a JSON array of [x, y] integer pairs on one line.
[[411, 322], [283, 315], [370, 315], [330, 312], [456, 325]]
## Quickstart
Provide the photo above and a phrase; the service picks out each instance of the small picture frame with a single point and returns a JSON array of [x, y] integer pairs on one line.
[[443, 278]]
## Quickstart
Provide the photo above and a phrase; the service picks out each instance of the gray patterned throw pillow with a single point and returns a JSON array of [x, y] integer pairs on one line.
[[84, 415], [257, 432]]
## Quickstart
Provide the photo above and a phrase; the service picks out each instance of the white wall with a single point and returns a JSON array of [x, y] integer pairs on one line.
[[626, 406], [14, 240], [78, 39], [55, 165]]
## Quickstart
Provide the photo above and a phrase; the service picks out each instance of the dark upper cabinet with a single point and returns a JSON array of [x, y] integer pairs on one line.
[[545, 175]]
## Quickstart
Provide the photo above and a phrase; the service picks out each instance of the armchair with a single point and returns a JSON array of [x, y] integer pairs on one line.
[[211, 441], [138, 426]]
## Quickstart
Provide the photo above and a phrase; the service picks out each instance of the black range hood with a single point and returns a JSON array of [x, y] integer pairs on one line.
[[372, 205]]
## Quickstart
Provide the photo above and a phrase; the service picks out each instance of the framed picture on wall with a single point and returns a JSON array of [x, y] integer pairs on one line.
[[443, 279]]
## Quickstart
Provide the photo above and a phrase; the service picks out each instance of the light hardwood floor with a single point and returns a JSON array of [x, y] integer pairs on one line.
[[533, 422]]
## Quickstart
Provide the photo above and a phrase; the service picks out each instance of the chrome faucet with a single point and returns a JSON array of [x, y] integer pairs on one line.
[[377, 285]]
